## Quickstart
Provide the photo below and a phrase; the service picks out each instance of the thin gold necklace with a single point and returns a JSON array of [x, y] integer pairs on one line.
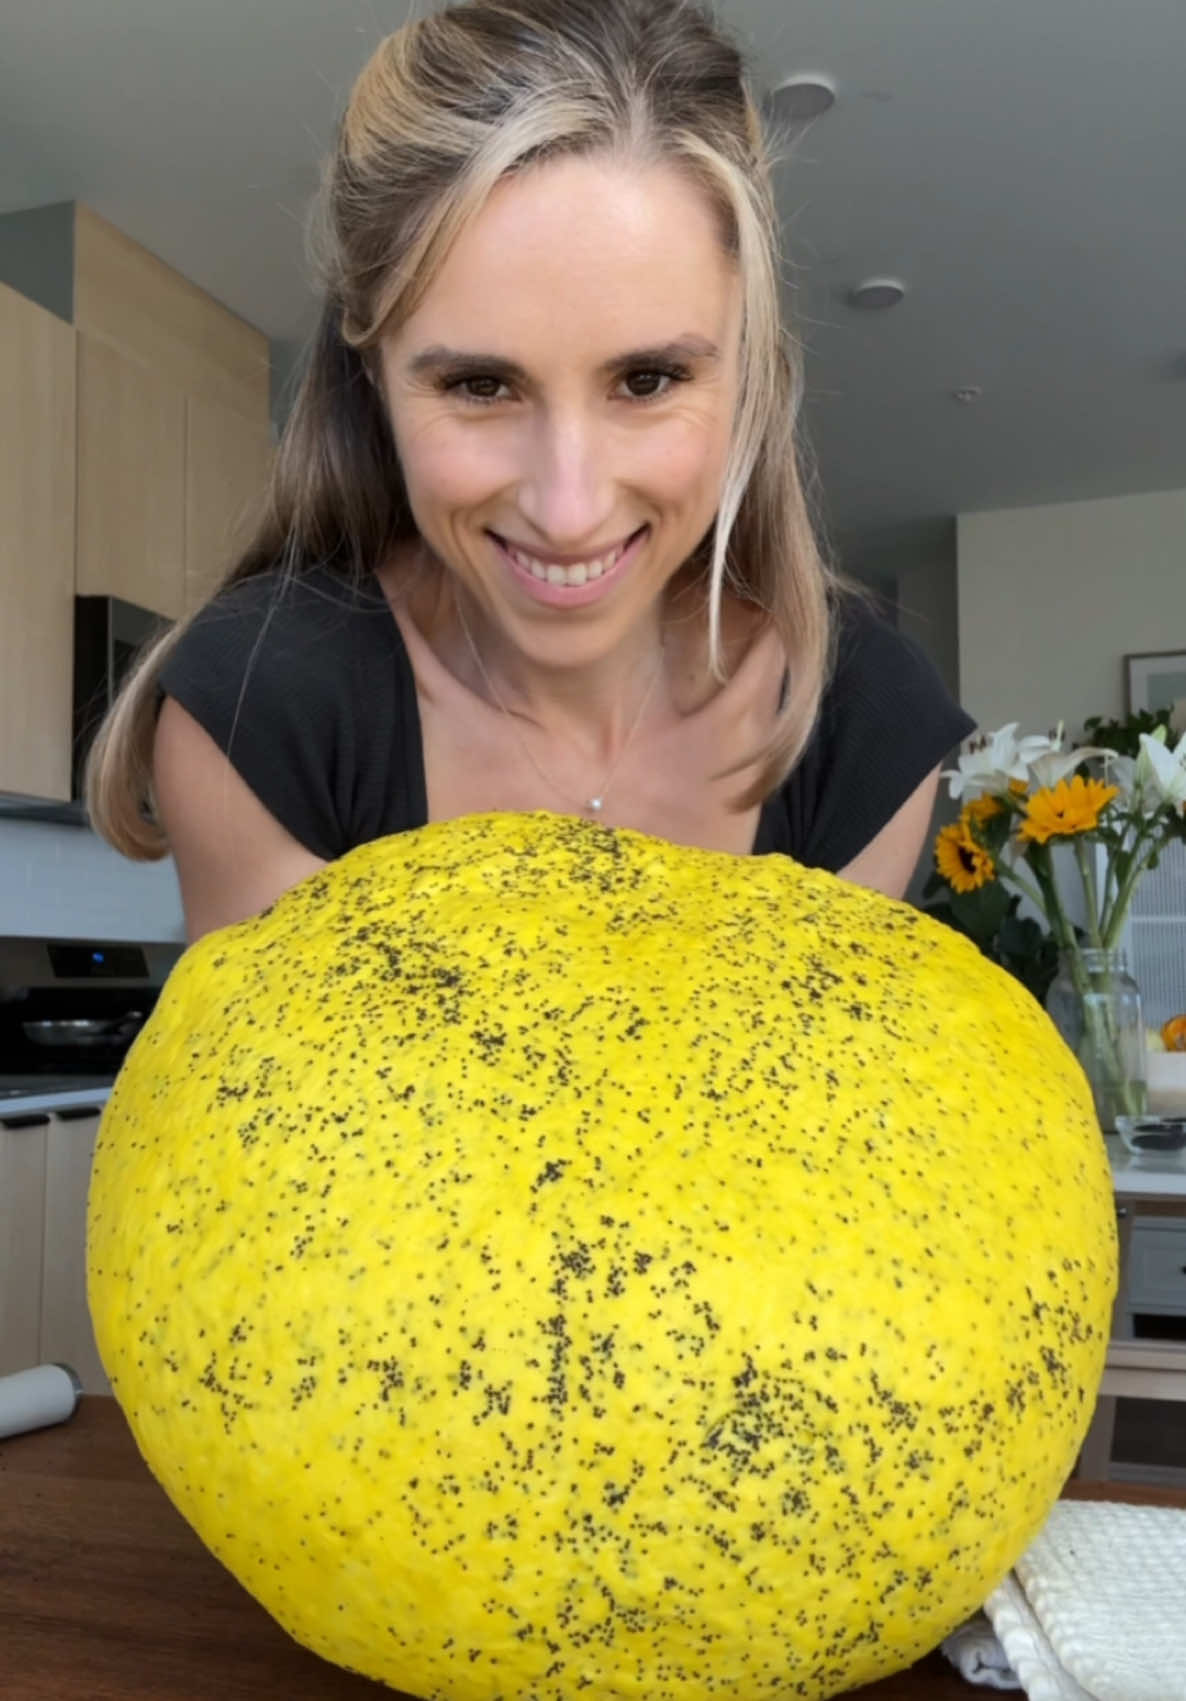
[[594, 805]]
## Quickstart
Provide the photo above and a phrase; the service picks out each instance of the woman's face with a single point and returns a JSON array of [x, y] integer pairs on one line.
[[562, 399]]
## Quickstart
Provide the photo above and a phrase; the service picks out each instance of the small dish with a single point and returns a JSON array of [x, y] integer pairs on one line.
[[1152, 1134]]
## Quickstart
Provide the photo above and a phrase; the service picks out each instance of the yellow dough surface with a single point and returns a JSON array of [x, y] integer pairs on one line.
[[541, 1261]]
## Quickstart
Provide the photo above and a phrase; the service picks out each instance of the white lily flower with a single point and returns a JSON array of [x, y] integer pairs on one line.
[[975, 771], [1052, 766], [1033, 749], [1168, 768], [1136, 779], [1121, 772], [992, 760]]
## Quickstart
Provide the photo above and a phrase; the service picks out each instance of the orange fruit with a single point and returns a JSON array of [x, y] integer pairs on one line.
[[1173, 1034]]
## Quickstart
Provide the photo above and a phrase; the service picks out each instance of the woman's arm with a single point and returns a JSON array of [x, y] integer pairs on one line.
[[233, 857], [888, 860]]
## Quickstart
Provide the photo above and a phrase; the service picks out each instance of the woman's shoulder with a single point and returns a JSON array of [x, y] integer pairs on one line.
[[874, 662], [315, 631], [862, 630], [886, 720], [303, 682], [315, 604]]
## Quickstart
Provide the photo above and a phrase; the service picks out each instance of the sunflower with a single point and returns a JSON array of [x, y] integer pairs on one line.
[[979, 809], [1072, 806], [963, 863]]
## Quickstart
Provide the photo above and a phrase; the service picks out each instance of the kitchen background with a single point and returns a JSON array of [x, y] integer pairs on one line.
[[1002, 452]]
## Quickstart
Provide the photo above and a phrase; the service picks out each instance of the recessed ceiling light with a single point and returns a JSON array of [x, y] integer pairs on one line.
[[968, 393], [877, 293], [799, 98]]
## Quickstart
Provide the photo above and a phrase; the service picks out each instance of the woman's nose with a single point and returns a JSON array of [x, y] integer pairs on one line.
[[566, 490]]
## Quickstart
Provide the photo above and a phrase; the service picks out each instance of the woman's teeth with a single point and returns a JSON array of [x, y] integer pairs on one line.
[[580, 574]]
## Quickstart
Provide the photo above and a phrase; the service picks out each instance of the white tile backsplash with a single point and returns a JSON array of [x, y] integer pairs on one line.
[[67, 883]]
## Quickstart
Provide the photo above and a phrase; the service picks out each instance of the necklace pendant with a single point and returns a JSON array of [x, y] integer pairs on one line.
[[594, 805]]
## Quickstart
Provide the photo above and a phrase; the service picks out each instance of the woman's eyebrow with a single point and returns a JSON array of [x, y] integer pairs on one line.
[[687, 347], [438, 358]]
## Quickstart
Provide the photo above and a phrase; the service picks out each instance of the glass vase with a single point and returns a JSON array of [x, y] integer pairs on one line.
[[1096, 1006]]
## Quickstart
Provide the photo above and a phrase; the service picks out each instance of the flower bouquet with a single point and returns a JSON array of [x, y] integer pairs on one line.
[[1023, 798]]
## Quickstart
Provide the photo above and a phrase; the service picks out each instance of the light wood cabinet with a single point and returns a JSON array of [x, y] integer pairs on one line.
[[135, 451], [169, 485], [66, 1336], [127, 297], [22, 1209], [228, 459], [37, 451], [174, 428], [131, 481], [45, 1173]]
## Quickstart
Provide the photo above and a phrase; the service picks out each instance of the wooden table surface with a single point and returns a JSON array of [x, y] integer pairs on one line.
[[107, 1595]]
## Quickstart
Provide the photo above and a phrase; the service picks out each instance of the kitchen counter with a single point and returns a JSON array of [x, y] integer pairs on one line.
[[107, 1595], [30, 1098], [1152, 1175]]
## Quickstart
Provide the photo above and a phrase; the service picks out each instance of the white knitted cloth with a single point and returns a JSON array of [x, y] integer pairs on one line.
[[1095, 1609], [974, 1649]]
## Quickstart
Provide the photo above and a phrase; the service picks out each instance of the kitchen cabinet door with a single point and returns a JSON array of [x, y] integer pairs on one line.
[[228, 462], [22, 1212], [131, 480], [66, 1333], [1157, 1268], [129, 298], [37, 427]]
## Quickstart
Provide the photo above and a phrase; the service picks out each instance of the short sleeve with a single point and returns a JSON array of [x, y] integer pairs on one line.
[[304, 683], [885, 721]]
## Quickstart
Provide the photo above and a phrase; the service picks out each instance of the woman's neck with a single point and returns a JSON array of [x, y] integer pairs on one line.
[[594, 708]]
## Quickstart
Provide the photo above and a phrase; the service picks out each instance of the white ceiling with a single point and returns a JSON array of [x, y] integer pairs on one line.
[[1019, 163]]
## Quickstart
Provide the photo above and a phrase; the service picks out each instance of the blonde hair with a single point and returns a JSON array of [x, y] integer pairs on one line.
[[444, 109]]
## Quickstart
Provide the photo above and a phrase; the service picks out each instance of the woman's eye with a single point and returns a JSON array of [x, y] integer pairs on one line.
[[479, 387], [649, 385]]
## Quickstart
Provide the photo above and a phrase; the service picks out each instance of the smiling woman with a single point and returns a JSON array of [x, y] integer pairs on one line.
[[538, 536], [573, 465]]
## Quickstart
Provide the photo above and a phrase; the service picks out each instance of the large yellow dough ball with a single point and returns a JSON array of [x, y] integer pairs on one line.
[[541, 1261]]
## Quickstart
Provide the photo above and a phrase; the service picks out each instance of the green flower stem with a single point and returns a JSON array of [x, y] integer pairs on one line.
[[1099, 1031], [1138, 863], [1098, 1019], [1039, 861], [1090, 894], [1006, 871], [1102, 1038], [1129, 864], [1111, 889]]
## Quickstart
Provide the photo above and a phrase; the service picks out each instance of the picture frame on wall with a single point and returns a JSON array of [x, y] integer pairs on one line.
[[1155, 679]]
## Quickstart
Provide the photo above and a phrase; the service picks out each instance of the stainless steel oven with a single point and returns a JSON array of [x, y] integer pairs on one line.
[[70, 1008], [108, 636]]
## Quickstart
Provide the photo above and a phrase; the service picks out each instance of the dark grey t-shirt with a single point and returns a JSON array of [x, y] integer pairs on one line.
[[308, 688]]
